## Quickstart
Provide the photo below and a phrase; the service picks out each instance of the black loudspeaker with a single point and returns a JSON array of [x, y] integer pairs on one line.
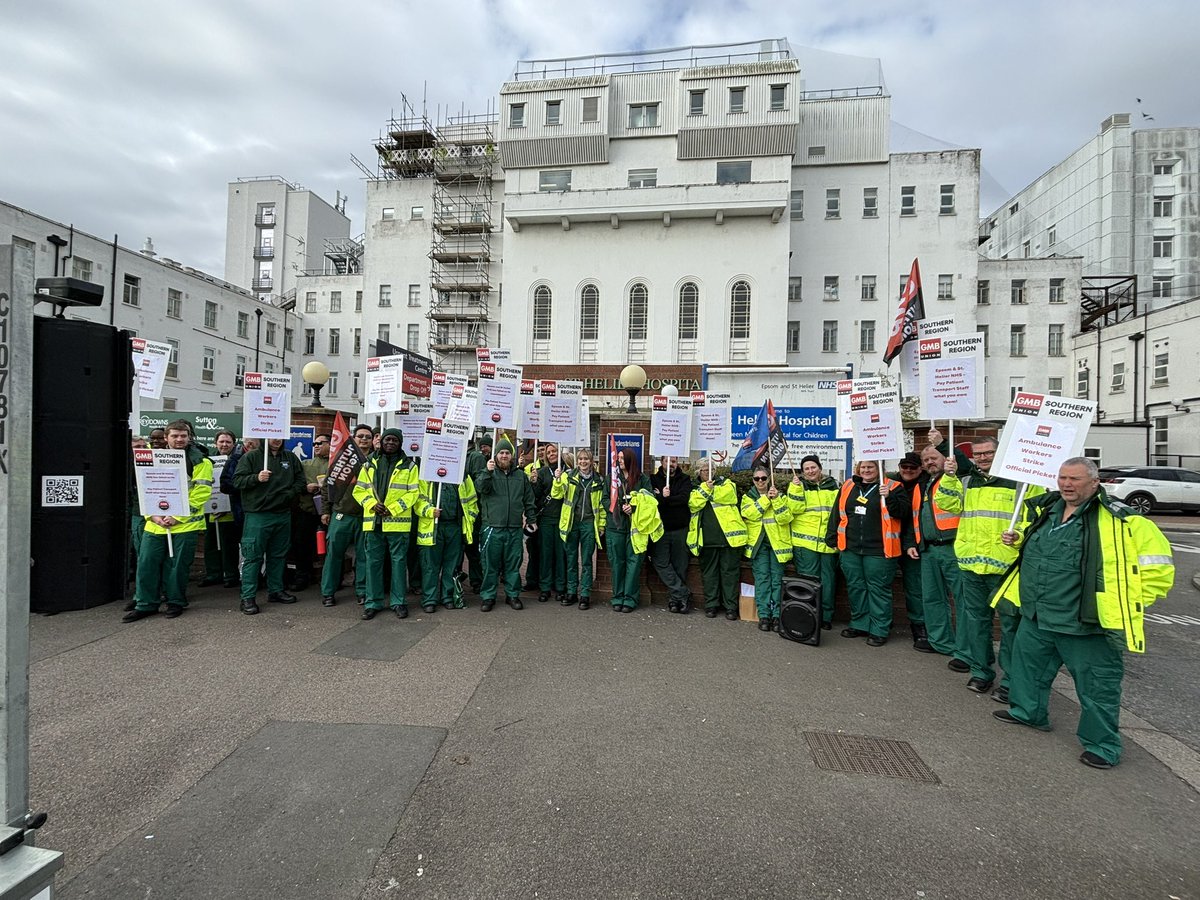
[[800, 610], [79, 534]]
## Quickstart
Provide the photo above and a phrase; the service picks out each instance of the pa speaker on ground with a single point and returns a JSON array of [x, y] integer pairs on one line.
[[800, 610]]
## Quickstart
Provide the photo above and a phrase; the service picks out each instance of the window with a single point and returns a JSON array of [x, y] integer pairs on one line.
[[417, 212], [1162, 359], [1057, 290], [413, 337], [797, 205], [589, 313], [239, 371], [908, 200], [643, 115], [1164, 168], [793, 337], [1051, 235], [1054, 340], [385, 333], [335, 341], [169, 403], [414, 295], [778, 96], [1161, 286], [945, 287], [1013, 390], [1083, 379], [331, 385], [81, 268], [816, 151], [553, 112], [269, 367], [554, 180], [354, 376], [983, 293], [903, 283], [696, 103], [1117, 384], [358, 301], [737, 100], [795, 288], [639, 311], [1017, 292], [208, 365], [1054, 387], [643, 178], [591, 109], [289, 338], [866, 336], [1012, 210], [739, 312], [175, 305], [516, 115], [868, 287], [833, 203], [1025, 250], [310, 302], [987, 343], [831, 287], [1016, 340], [385, 295], [829, 329], [870, 203], [357, 341], [388, 214], [1164, 207], [132, 293], [689, 311], [310, 341], [210, 314], [243, 325], [1162, 425], [335, 301], [542, 306], [733, 172], [173, 359], [1163, 249], [946, 207]]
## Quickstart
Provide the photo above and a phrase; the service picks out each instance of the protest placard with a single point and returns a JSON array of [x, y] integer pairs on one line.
[[910, 362], [710, 421], [444, 450], [410, 419], [267, 412], [499, 385], [218, 503], [162, 483], [493, 354], [529, 414], [561, 413], [877, 424], [1042, 432], [845, 387], [150, 360], [670, 426], [385, 384], [442, 385], [462, 404], [952, 376]]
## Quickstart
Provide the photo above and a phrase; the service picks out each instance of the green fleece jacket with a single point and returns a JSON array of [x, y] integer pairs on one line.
[[287, 481], [504, 498]]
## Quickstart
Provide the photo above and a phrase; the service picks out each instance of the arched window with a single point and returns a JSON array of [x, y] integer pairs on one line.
[[689, 311], [639, 310], [739, 312], [589, 313], [541, 313]]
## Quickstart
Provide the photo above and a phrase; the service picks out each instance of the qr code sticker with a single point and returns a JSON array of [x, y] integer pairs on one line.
[[62, 490]]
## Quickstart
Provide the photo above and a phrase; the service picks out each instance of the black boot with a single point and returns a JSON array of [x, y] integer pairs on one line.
[[921, 639]]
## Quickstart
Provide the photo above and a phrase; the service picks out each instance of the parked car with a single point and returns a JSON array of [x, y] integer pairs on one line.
[[1148, 488]]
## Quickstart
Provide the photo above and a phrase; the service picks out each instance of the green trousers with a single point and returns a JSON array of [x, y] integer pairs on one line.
[[721, 574], [552, 573], [345, 531], [626, 568], [941, 585], [975, 636], [869, 587], [1097, 665], [222, 564], [768, 580], [439, 563], [265, 535], [910, 575], [384, 549], [137, 526], [824, 567], [500, 550], [160, 573], [579, 551]]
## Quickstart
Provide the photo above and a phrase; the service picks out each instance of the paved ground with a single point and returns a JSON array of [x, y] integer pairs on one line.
[[558, 753]]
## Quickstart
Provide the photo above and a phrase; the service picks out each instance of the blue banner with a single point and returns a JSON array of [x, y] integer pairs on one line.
[[798, 423]]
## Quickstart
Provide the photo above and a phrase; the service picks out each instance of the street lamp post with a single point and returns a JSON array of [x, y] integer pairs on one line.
[[315, 375], [257, 337], [633, 379]]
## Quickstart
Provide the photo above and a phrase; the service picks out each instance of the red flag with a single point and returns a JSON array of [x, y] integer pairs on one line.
[[614, 474], [911, 310], [344, 455]]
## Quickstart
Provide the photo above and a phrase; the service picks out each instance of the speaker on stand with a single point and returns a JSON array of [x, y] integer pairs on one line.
[[800, 610]]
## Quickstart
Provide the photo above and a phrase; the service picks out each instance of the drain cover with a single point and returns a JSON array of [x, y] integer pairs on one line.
[[861, 755]]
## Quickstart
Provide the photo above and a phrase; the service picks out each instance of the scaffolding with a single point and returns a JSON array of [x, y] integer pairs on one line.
[[1107, 300]]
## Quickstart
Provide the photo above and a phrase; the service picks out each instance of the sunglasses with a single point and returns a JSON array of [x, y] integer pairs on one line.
[[760, 478]]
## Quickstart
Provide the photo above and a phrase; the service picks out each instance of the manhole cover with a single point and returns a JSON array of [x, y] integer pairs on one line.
[[867, 756]]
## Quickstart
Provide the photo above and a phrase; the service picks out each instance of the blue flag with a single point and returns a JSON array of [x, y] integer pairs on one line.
[[765, 441]]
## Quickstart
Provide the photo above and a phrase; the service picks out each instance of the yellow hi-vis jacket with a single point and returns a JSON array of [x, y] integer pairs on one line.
[[427, 492], [761, 514], [984, 508], [725, 505], [645, 523], [401, 494], [565, 487], [811, 507], [200, 487], [1127, 569]]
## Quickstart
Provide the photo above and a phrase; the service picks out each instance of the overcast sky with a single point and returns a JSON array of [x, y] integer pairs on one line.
[[131, 117]]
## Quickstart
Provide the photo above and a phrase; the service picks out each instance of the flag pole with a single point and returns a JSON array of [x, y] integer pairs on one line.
[[437, 505], [170, 545], [951, 435]]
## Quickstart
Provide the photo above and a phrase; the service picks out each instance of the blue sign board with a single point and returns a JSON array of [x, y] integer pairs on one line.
[[799, 423], [300, 441], [634, 442]]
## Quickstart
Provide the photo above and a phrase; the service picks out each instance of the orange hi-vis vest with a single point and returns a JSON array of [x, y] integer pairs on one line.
[[945, 521], [891, 527]]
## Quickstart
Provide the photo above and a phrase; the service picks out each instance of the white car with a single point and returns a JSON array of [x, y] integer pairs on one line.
[[1148, 488]]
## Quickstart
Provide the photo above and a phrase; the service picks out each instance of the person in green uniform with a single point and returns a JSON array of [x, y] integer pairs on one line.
[[386, 489], [305, 519], [552, 558], [768, 544], [932, 544], [477, 459], [137, 523], [865, 526], [1087, 569], [342, 517], [581, 521], [811, 498], [911, 474], [632, 521], [445, 514], [717, 535], [269, 479], [221, 562], [505, 502]]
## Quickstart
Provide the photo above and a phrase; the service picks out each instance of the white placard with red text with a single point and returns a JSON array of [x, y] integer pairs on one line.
[[150, 360], [560, 414], [1042, 432], [952, 376], [385, 384], [529, 412], [444, 450], [910, 360], [162, 483], [670, 426], [493, 354], [844, 388], [499, 386], [267, 412], [410, 419], [710, 421], [462, 403], [878, 431], [441, 387], [218, 503]]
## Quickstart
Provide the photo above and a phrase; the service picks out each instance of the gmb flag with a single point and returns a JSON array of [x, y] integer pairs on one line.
[[910, 311], [765, 441]]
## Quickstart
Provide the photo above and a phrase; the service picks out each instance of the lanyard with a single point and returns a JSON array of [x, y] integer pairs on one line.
[[864, 496]]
